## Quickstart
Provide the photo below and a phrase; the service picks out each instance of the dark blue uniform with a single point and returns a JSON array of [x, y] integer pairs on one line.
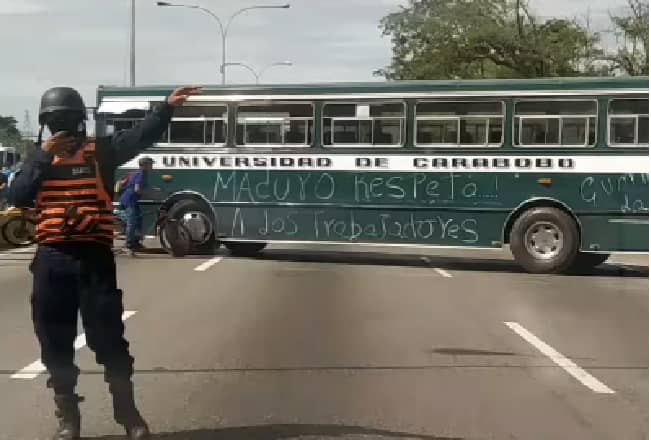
[[80, 277]]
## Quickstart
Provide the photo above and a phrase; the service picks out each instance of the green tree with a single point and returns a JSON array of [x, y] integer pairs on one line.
[[8, 125], [10, 135], [632, 56], [436, 39]]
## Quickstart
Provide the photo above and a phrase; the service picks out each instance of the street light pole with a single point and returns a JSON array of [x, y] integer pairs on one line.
[[223, 29], [132, 45], [247, 67], [272, 65], [259, 74]]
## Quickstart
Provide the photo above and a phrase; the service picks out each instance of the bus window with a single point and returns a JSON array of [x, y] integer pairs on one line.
[[275, 124], [123, 121], [363, 124], [555, 123], [447, 123], [117, 124], [628, 123], [643, 129], [124, 124], [198, 124]]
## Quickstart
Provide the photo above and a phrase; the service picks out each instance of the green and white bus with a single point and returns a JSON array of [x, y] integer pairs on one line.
[[8, 156], [555, 168]]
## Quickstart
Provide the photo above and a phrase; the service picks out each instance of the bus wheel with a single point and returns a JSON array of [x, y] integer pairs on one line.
[[244, 248], [588, 260], [545, 240], [175, 238], [196, 219]]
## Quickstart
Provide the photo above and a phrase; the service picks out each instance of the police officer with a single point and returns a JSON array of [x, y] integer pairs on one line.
[[70, 179]]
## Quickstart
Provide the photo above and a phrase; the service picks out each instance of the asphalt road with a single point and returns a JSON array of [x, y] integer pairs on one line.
[[352, 343]]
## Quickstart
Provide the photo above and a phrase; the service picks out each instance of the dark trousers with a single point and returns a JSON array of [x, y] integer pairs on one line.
[[76, 278], [134, 225]]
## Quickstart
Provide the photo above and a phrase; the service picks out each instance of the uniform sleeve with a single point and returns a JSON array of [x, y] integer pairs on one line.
[[22, 192], [127, 144]]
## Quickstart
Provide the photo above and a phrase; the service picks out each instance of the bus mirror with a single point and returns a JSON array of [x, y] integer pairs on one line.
[[166, 178]]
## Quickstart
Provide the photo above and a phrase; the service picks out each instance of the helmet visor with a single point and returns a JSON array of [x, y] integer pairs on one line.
[[65, 120]]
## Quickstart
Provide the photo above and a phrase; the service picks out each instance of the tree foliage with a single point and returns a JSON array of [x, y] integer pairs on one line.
[[10, 135], [633, 54], [436, 39]]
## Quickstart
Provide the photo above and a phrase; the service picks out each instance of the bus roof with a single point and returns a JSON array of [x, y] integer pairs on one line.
[[493, 85]]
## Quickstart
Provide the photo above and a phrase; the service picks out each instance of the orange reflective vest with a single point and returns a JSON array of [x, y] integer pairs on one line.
[[73, 204]]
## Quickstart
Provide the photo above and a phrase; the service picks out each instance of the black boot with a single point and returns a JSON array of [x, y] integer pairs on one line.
[[67, 411], [125, 411]]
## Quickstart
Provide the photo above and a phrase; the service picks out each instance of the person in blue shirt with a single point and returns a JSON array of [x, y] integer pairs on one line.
[[4, 180], [130, 203], [14, 173]]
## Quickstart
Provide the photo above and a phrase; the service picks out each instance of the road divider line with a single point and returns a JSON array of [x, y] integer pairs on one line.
[[559, 359], [36, 368], [20, 250], [208, 264], [444, 273]]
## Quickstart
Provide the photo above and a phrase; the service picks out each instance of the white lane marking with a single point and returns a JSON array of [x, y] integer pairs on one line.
[[20, 250], [444, 273], [33, 370], [208, 264], [566, 364]]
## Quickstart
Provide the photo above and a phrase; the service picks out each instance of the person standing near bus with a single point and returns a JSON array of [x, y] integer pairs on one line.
[[14, 173], [4, 186], [71, 180], [130, 202]]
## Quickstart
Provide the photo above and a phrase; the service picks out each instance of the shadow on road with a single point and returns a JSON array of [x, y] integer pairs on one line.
[[448, 263], [281, 432], [367, 258]]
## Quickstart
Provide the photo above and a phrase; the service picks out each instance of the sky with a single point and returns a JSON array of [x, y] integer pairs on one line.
[[84, 43]]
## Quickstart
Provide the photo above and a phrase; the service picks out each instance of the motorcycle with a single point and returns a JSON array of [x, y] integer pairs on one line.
[[20, 228]]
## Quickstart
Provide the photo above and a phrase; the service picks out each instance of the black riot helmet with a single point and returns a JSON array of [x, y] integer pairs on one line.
[[62, 109], [61, 99]]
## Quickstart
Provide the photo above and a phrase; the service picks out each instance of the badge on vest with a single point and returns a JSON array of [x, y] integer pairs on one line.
[[77, 171]]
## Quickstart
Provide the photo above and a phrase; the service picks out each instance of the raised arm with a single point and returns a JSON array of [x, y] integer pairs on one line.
[[129, 143]]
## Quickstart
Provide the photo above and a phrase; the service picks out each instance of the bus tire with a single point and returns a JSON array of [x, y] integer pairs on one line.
[[585, 261], [197, 219], [175, 239], [545, 240], [244, 248]]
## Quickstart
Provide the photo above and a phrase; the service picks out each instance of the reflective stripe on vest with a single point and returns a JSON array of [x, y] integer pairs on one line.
[[73, 204]]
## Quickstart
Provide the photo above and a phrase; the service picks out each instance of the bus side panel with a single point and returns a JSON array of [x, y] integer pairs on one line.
[[444, 228], [390, 199], [615, 233]]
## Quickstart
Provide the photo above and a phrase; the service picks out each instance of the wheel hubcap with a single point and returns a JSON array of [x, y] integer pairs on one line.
[[544, 240], [198, 225]]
